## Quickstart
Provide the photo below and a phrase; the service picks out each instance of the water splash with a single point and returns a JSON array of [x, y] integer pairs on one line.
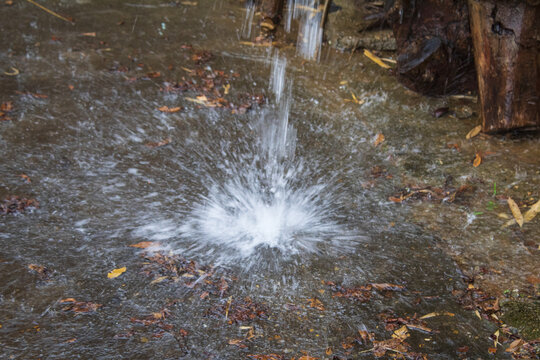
[[266, 199]]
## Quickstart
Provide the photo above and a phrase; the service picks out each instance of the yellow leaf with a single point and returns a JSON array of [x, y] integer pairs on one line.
[[401, 333], [226, 88], [531, 213], [379, 139], [377, 60], [144, 244], [433, 314], [116, 272], [477, 160], [475, 131], [515, 211], [158, 280]]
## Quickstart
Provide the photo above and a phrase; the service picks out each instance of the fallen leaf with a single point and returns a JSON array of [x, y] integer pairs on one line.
[[532, 212], [26, 178], [477, 160], [515, 345], [379, 139], [167, 109], [515, 211], [433, 314], [6, 106], [475, 131], [226, 89], [401, 333], [387, 287], [159, 143], [315, 303], [377, 60], [144, 244], [116, 272], [159, 279], [492, 350], [13, 72], [89, 34]]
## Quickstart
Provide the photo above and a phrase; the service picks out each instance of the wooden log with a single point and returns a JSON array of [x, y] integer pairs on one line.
[[506, 38]]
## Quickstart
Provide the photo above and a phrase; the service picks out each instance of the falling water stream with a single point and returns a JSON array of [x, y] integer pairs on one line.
[[275, 204]]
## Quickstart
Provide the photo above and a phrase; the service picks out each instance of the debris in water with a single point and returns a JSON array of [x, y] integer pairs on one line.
[[515, 211], [377, 60], [14, 204], [159, 143], [79, 306], [43, 272], [379, 139], [167, 109], [116, 272], [475, 131]]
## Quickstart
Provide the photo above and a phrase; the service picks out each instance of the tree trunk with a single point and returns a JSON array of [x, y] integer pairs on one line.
[[506, 38]]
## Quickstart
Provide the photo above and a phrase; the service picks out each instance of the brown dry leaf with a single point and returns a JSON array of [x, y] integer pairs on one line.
[[116, 272], [307, 357], [433, 314], [477, 160], [387, 287], [515, 211], [159, 279], [144, 244], [475, 131], [515, 345], [79, 306], [7, 106], [315, 303], [237, 342], [532, 212], [379, 139], [328, 351], [266, 357], [528, 216], [492, 350], [159, 143], [167, 109], [89, 34], [401, 333], [26, 178]]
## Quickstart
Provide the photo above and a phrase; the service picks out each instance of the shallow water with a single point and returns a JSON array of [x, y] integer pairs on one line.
[[293, 174]]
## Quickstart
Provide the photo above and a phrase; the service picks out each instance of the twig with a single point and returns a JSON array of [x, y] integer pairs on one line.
[[51, 12]]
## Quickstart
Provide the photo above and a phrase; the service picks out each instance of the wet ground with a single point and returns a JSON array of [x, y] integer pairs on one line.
[[83, 136]]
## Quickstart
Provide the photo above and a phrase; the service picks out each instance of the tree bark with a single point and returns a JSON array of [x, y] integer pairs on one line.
[[434, 46], [506, 38]]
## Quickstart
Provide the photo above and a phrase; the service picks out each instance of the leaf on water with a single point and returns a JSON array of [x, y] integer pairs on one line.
[[532, 212], [315, 303], [475, 131], [79, 306], [477, 160], [89, 34], [26, 178], [226, 89], [379, 139], [13, 72], [237, 342], [266, 357], [387, 287], [144, 244], [515, 345], [167, 109], [7, 106], [116, 272], [189, 3], [401, 333], [377, 60], [515, 211], [433, 314], [159, 143], [159, 279]]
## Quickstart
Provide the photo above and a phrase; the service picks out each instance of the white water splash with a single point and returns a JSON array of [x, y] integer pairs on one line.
[[248, 20], [266, 200]]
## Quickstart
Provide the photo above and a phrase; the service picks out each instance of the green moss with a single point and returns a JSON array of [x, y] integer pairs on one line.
[[524, 316]]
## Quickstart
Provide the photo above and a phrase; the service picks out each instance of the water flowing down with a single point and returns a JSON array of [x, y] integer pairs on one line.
[[310, 32]]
